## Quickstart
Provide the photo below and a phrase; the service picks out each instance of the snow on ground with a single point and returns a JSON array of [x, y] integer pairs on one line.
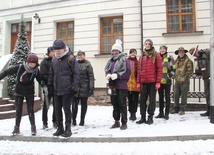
[[97, 123]]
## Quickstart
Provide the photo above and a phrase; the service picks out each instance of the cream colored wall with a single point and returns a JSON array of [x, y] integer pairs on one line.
[[86, 16]]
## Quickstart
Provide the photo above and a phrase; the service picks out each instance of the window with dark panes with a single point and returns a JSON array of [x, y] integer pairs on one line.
[[111, 28], [180, 15], [65, 31]]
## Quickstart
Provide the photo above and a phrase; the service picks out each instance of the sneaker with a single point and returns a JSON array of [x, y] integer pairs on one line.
[[16, 130], [115, 125], [123, 126], [33, 130], [181, 113]]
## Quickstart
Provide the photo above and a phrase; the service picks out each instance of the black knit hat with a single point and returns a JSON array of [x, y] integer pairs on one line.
[[59, 44], [49, 49]]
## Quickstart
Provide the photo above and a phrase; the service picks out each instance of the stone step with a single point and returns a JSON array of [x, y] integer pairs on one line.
[[7, 107], [4, 101], [7, 114]]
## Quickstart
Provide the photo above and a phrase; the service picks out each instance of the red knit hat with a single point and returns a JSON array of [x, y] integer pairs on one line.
[[32, 58]]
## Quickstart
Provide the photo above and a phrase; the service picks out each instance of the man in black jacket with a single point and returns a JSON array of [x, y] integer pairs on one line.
[[64, 78], [44, 70]]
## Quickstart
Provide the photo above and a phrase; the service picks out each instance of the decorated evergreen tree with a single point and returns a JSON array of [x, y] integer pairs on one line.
[[20, 53]]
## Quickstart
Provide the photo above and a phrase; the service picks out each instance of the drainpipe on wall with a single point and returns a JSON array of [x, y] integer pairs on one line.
[[212, 62], [141, 24]]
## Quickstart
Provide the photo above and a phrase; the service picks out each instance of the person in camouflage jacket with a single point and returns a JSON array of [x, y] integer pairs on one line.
[[166, 82], [203, 69], [184, 69]]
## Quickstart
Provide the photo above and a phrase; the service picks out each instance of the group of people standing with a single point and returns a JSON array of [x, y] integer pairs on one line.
[[69, 79], [151, 72]]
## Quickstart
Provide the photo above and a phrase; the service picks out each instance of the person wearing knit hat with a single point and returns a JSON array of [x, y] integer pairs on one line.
[[202, 57], [45, 66], [64, 79], [24, 89], [183, 72], [58, 44], [117, 71], [166, 82], [117, 46], [148, 80]]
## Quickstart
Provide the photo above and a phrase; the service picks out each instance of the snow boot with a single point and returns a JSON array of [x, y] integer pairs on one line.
[[67, 132], [160, 115], [150, 120], [207, 113], [133, 116], [123, 126], [82, 122], [16, 130], [142, 120], [115, 125], [33, 130], [60, 129]]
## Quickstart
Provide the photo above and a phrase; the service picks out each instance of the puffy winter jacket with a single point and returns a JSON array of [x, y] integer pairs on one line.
[[150, 69], [86, 83], [64, 75]]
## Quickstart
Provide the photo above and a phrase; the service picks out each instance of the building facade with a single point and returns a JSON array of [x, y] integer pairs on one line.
[[93, 25]]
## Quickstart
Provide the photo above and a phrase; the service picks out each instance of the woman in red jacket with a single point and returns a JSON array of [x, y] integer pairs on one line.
[[148, 80]]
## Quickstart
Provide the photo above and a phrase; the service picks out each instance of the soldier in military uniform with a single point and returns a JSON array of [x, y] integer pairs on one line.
[[184, 69], [203, 69]]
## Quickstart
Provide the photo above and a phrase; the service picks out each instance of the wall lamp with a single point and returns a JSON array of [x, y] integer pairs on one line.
[[36, 16]]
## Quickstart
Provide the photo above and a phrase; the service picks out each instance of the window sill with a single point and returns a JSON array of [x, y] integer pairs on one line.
[[174, 34], [102, 55]]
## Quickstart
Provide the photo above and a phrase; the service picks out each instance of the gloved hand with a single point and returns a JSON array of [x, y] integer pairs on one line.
[[108, 76], [157, 86], [138, 85], [91, 92], [50, 90], [45, 90], [114, 76]]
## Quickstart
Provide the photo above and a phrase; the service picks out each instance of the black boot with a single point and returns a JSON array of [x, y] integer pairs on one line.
[[166, 117], [142, 120], [74, 123], [60, 129], [207, 113], [133, 116], [67, 132], [82, 122], [150, 120], [160, 115]]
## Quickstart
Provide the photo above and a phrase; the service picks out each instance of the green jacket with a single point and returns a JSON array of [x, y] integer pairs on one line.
[[184, 69]]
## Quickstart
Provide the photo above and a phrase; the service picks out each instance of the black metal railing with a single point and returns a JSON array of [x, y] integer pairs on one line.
[[196, 89]]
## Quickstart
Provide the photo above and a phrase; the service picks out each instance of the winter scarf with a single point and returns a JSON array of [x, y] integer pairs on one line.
[[27, 70], [151, 53], [120, 64], [58, 56]]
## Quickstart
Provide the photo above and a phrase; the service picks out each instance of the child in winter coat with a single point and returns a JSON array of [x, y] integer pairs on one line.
[[26, 73]]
